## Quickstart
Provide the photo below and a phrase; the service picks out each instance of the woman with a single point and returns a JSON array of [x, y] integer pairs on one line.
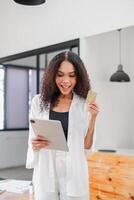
[[62, 175]]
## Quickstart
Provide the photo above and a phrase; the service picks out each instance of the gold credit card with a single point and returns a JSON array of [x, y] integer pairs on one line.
[[91, 96]]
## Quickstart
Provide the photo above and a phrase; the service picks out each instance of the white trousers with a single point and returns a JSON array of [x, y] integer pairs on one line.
[[60, 193]]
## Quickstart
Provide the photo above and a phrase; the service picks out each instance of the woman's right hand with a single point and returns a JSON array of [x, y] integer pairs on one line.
[[39, 142]]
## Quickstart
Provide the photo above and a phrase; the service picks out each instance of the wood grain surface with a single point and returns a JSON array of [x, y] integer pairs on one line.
[[111, 176]]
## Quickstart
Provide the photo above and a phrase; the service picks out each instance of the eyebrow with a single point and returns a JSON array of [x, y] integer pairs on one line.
[[73, 72]]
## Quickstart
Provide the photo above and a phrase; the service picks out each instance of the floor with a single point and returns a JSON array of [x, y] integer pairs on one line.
[[20, 173]]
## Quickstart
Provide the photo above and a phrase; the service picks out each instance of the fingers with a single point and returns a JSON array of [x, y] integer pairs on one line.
[[39, 142], [93, 109], [39, 146], [40, 137], [94, 106]]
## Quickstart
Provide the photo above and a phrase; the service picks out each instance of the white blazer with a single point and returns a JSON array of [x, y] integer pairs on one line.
[[43, 161]]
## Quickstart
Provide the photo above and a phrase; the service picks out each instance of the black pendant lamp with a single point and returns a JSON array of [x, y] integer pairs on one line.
[[30, 2], [120, 75]]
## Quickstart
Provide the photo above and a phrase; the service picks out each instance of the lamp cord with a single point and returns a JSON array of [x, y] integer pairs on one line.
[[119, 45]]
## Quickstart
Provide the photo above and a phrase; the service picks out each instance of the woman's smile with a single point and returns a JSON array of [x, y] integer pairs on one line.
[[66, 78]]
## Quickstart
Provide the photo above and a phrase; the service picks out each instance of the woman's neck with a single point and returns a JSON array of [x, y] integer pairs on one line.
[[69, 96], [64, 103]]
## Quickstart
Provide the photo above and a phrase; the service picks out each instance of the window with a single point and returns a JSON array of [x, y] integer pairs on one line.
[[16, 98], [20, 78]]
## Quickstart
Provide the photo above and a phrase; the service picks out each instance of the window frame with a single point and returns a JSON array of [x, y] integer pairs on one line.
[[2, 67]]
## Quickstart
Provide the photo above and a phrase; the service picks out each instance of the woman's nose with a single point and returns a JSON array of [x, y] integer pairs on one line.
[[65, 80]]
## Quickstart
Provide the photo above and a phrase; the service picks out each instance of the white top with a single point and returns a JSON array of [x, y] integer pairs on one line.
[[43, 161]]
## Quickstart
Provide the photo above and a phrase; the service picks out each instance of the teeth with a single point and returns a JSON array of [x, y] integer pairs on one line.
[[65, 86]]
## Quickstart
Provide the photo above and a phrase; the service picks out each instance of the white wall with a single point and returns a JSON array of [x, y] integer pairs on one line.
[[115, 126], [29, 27], [13, 148]]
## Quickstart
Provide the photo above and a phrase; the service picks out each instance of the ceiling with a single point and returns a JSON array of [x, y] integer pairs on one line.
[[29, 27]]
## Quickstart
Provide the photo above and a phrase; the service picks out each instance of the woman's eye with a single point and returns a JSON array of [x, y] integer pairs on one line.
[[72, 75], [59, 75]]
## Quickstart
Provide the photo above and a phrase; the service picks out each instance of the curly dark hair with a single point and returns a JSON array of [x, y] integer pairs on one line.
[[49, 89]]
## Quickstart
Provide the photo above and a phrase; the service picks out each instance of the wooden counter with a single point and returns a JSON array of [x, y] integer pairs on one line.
[[111, 176]]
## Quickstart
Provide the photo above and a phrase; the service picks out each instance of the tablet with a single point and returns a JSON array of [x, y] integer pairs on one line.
[[51, 130]]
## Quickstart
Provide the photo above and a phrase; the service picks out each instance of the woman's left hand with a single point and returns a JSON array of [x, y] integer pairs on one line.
[[93, 109]]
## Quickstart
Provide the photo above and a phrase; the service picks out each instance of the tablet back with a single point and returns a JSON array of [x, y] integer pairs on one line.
[[51, 130]]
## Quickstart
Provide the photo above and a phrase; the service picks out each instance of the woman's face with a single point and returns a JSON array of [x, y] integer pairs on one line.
[[66, 78]]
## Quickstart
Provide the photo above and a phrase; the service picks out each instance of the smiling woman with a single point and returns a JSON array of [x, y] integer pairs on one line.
[[63, 97]]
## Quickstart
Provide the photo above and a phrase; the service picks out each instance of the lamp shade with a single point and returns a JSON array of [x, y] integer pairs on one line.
[[120, 75], [30, 2]]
